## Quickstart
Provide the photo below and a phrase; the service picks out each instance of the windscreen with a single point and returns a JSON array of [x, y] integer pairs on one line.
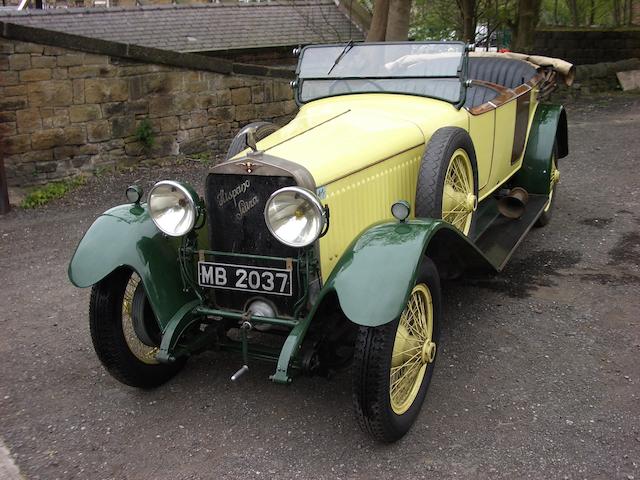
[[426, 69]]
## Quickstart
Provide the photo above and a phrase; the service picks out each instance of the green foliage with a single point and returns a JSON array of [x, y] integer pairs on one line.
[[43, 195], [435, 20], [442, 19], [204, 157], [584, 13], [144, 134]]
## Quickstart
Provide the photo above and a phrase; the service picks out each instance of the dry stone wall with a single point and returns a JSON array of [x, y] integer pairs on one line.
[[582, 47], [63, 111]]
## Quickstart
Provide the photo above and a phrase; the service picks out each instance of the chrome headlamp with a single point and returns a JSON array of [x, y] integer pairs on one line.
[[295, 216], [172, 207]]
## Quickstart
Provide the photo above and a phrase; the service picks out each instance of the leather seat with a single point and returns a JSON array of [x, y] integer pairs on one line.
[[507, 72], [478, 94]]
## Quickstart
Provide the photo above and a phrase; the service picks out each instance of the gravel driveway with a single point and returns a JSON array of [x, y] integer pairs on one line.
[[538, 373]]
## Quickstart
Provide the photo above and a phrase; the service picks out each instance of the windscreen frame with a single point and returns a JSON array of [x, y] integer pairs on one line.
[[461, 73]]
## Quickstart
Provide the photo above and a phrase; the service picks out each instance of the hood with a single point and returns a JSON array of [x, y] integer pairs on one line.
[[337, 136]]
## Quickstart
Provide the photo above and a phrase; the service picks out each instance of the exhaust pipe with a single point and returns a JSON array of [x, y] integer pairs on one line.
[[512, 205]]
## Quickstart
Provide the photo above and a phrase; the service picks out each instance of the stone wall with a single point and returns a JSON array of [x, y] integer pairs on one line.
[[64, 111], [588, 46]]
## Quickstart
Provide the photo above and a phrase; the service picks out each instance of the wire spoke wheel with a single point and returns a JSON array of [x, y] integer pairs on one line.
[[459, 200], [125, 332], [413, 349], [447, 186], [143, 352], [393, 363], [553, 180]]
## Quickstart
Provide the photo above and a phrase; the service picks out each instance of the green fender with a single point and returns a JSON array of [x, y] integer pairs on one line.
[[549, 124], [377, 272], [125, 236]]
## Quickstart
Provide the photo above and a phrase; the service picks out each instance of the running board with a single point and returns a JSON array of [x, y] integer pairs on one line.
[[500, 236]]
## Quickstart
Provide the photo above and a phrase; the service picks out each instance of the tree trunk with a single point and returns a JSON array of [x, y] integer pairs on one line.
[[575, 14], [528, 15], [468, 10], [378, 30], [398, 20], [592, 13], [616, 13]]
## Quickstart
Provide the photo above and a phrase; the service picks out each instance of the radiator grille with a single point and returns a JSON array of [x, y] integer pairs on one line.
[[235, 206]]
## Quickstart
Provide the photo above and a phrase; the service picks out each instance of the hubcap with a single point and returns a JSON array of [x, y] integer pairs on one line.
[[413, 349], [428, 352], [458, 198]]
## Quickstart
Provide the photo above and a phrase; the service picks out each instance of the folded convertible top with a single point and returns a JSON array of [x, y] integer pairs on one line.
[[565, 69]]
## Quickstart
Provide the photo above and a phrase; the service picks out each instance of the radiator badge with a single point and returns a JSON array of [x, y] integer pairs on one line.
[[244, 206], [249, 167]]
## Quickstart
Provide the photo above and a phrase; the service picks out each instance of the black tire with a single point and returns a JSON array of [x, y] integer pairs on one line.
[[547, 215], [433, 169], [372, 371], [109, 342], [239, 143]]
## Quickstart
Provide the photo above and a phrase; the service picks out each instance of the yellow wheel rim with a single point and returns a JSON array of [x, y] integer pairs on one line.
[[554, 178], [458, 197], [413, 349], [141, 351]]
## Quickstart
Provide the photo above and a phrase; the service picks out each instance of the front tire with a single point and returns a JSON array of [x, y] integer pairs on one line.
[[393, 363], [447, 185], [125, 332]]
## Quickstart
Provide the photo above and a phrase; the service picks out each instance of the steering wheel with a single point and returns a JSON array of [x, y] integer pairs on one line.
[[334, 85]]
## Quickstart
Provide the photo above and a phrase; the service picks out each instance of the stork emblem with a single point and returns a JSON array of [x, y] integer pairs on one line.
[[249, 167]]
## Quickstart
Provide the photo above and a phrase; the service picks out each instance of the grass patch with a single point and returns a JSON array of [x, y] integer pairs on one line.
[[205, 158], [42, 195]]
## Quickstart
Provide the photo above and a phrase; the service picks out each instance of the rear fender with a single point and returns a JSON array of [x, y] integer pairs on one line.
[[377, 272], [549, 126], [125, 236]]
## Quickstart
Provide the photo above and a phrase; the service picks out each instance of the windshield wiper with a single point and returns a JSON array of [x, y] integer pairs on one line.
[[346, 48]]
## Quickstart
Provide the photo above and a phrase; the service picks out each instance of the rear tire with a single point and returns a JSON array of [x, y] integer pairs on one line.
[[547, 213], [127, 356], [448, 179], [386, 407], [239, 143]]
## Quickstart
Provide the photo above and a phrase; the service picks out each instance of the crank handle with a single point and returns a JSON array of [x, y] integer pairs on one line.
[[244, 369]]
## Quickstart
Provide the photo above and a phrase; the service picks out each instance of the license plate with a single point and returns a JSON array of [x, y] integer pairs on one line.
[[272, 281]]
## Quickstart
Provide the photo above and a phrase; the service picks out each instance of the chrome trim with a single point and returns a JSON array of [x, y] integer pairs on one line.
[[309, 196], [185, 191], [267, 165]]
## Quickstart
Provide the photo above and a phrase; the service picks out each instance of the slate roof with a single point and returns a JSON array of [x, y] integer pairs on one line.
[[198, 28]]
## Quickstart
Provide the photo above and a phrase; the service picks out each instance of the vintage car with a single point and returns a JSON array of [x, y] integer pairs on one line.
[[321, 245]]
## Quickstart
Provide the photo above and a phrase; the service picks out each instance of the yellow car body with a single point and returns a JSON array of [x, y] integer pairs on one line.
[[334, 230], [364, 151]]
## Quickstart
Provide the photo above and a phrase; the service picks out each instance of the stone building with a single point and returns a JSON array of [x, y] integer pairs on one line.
[[77, 87]]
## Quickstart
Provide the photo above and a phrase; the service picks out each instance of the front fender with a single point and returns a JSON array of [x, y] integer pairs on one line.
[[125, 236], [376, 274]]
